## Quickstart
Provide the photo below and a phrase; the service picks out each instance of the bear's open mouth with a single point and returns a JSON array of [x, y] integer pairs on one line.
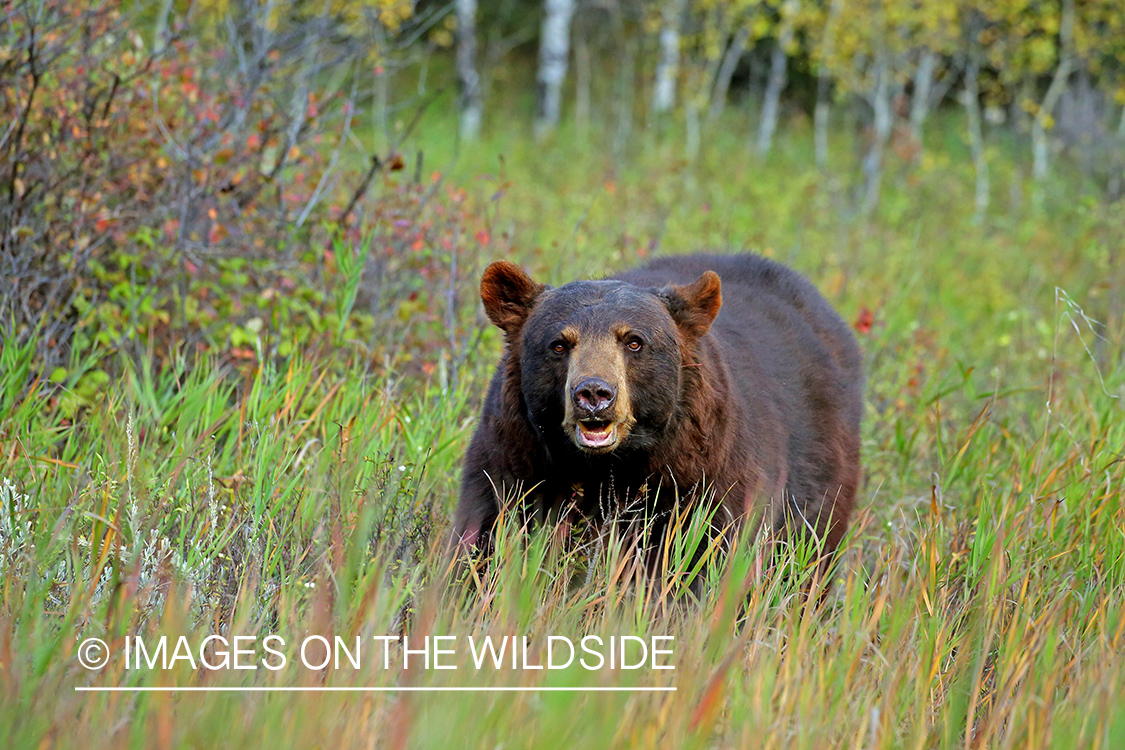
[[596, 433]]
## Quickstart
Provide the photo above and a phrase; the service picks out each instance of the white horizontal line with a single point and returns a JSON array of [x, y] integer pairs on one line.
[[408, 689]]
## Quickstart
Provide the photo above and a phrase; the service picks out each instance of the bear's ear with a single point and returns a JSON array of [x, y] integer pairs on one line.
[[694, 306], [508, 295]]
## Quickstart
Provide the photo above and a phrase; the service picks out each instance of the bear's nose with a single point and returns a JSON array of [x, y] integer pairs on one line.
[[594, 394]]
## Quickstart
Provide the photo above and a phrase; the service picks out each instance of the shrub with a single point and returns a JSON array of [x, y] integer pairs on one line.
[[181, 194]]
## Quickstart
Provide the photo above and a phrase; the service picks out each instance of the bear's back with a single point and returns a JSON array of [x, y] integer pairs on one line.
[[762, 300], [795, 362]]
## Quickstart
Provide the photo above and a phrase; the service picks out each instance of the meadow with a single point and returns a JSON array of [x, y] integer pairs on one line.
[[297, 485]]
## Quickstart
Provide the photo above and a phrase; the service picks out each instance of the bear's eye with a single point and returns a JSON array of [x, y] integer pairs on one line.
[[559, 347], [634, 344]]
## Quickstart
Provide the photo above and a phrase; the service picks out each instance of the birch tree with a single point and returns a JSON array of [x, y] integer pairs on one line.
[[471, 106], [554, 52], [866, 61], [731, 56], [879, 97], [1028, 42], [778, 74], [971, 100], [827, 50], [923, 83], [1044, 116], [934, 30], [668, 65]]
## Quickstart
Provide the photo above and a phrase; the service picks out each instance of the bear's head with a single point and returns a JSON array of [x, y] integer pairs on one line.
[[601, 363]]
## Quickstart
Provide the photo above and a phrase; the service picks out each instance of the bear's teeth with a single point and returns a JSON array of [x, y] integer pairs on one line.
[[600, 436]]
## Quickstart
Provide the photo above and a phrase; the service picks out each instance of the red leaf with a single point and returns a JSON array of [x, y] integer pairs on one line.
[[864, 320]]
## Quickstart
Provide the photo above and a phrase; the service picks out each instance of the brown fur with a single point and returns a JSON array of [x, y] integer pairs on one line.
[[743, 379]]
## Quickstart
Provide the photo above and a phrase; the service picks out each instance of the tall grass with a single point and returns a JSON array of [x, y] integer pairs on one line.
[[979, 601]]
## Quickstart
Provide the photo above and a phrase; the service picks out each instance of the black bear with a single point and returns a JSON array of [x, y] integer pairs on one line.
[[724, 371]]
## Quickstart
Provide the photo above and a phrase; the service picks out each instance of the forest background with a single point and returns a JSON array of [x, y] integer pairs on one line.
[[242, 353]]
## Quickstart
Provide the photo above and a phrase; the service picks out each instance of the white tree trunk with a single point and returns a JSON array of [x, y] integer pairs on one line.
[[726, 72], [1039, 145], [160, 36], [778, 76], [691, 120], [626, 85], [768, 124], [976, 137], [1114, 186], [881, 106], [923, 84], [820, 122], [582, 88], [554, 51], [668, 67], [824, 85], [472, 108]]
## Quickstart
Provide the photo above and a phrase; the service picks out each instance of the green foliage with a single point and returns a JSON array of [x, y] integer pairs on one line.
[[980, 594], [269, 441]]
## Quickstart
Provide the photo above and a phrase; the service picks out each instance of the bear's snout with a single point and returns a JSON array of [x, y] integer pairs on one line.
[[593, 396], [595, 401]]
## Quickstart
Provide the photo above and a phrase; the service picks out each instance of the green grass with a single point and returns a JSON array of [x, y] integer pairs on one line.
[[978, 604]]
